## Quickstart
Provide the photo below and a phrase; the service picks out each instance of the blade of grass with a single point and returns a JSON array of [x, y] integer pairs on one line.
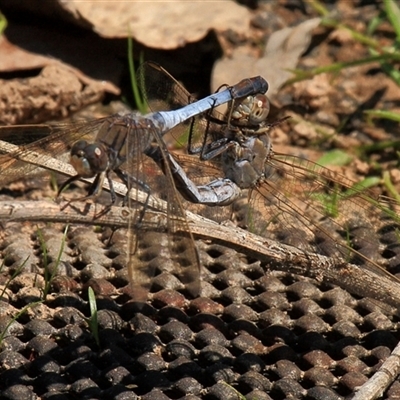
[[333, 23], [30, 305], [393, 14], [3, 23], [383, 114], [361, 38], [390, 187], [93, 321], [358, 187], [13, 276], [335, 157], [330, 201], [319, 7], [384, 55], [375, 22], [43, 249], [238, 394], [140, 103], [388, 68], [375, 147], [336, 67]]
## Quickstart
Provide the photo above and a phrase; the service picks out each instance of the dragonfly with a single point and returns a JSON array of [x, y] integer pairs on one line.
[[120, 147], [287, 198]]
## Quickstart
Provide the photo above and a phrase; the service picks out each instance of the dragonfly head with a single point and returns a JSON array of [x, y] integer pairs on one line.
[[88, 159], [252, 110]]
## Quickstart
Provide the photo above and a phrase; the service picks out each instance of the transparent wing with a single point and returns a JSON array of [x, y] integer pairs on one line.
[[176, 250], [40, 144], [163, 92], [305, 205]]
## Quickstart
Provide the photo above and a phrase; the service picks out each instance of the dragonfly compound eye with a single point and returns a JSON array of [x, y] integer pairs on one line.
[[88, 159], [260, 109]]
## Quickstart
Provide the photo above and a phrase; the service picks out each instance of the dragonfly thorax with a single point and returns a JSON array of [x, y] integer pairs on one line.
[[244, 163], [89, 159]]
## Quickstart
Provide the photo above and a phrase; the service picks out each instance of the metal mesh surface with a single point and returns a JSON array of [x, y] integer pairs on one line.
[[255, 332]]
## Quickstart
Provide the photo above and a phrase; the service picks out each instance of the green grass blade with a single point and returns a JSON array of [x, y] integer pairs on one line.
[[30, 305], [376, 147], [383, 114], [43, 248], [336, 67], [330, 201], [140, 103], [366, 40], [374, 23], [393, 14], [335, 157], [93, 320], [388, 68], [358, 187], [3, 23], [390, 187], [13, 276], [319, 7]]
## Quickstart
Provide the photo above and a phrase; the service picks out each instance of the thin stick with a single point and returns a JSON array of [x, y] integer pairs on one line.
[[378, 383]]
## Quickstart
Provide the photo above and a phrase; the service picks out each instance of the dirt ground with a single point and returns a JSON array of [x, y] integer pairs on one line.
[[257, 330]]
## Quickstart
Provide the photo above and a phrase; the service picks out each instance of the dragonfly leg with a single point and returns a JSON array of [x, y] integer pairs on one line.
[[131, 181], [95, 188], [93, 191], [215, 149], [66, 183]]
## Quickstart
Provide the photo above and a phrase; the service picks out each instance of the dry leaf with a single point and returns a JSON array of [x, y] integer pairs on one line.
[[161, 24], [282, 52]]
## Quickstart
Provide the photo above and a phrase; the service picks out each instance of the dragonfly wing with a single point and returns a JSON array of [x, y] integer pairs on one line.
[[319, 211], [151, 249], [163, 92], [181, 242], [24, 149], [307, 206]]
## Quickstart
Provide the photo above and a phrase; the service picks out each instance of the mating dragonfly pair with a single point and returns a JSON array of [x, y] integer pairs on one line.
[[226, 155]]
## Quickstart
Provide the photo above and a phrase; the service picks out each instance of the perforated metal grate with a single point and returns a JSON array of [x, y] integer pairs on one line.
[[261, 333]]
